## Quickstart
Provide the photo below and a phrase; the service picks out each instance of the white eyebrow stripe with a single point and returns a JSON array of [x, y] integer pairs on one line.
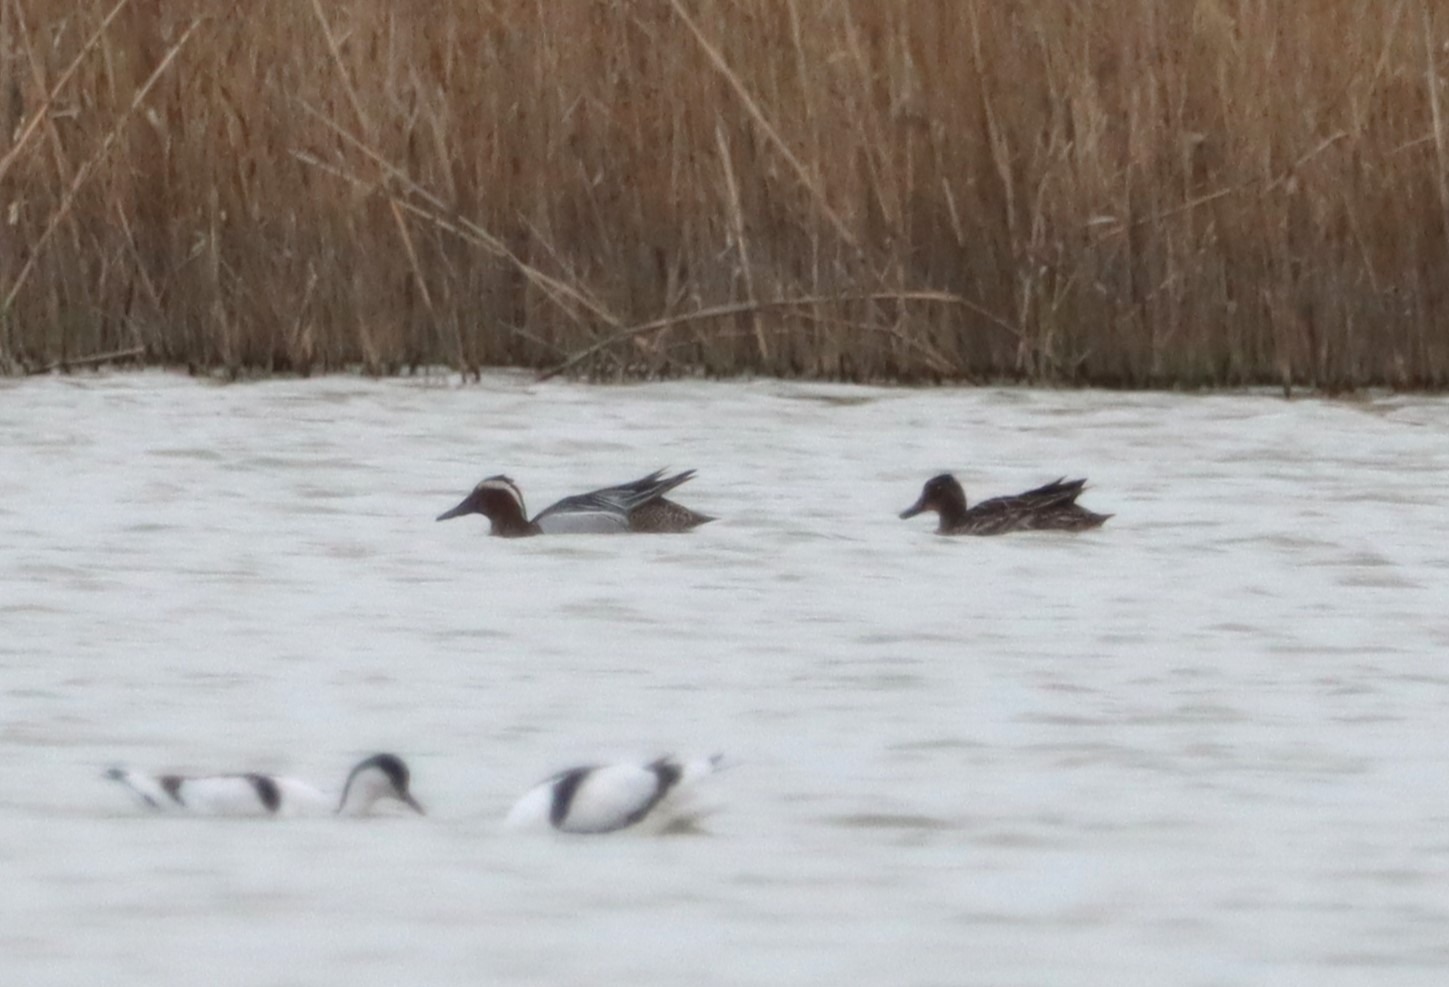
[[507, 486]]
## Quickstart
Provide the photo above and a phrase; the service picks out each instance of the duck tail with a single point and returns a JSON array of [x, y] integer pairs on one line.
[[659, 487]]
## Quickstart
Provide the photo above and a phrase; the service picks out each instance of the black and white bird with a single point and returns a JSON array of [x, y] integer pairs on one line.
[[378, 778], [650, 797]]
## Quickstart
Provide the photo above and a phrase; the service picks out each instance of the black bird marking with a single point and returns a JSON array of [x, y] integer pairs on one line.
[[564, 790], [267, 791], [667, 775], [171, 785], [566, 787]]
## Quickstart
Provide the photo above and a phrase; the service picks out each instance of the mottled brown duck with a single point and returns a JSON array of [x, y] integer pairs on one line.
[[1052, 507]]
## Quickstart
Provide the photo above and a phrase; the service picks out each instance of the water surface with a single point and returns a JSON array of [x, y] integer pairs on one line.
[[1206, 744]]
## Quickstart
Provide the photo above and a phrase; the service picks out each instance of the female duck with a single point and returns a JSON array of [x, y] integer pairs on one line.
[[1051, 507], [639, 507], [378, 778]]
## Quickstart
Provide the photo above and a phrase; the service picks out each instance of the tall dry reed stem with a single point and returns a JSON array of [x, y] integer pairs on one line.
[[1126, 193]]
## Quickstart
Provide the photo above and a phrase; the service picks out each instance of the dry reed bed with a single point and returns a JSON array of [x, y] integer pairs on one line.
[[1127, 192]]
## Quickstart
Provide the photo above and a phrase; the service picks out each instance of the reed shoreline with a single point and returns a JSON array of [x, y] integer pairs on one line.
[[1226, 193]]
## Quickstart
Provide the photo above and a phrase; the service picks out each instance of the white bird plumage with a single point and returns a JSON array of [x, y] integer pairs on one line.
[[655, 796], [374, 779]]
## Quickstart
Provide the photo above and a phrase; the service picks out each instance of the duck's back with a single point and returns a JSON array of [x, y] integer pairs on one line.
[[664, 516], [639, 506], [1050, 507]]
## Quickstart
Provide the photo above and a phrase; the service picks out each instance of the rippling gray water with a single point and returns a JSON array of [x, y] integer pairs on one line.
[[1206, 744]]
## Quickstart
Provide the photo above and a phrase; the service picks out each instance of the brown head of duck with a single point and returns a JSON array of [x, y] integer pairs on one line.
[[942, 494], [499, 500]]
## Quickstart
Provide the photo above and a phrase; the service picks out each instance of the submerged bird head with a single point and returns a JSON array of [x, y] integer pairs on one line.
[[499, 500], [382, 776], [941, 494]]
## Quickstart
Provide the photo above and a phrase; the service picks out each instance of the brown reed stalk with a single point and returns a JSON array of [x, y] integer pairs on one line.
[[461, 225], [88, 166], [742, 245], [1436, 116], [402, 229], [38, 116], [1124, 193], [739, 308], [756, 114]]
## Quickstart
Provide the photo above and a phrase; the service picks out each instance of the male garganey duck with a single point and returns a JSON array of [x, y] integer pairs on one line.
[[1051, 507], [638, 507], [652, 797], [382, 776]]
